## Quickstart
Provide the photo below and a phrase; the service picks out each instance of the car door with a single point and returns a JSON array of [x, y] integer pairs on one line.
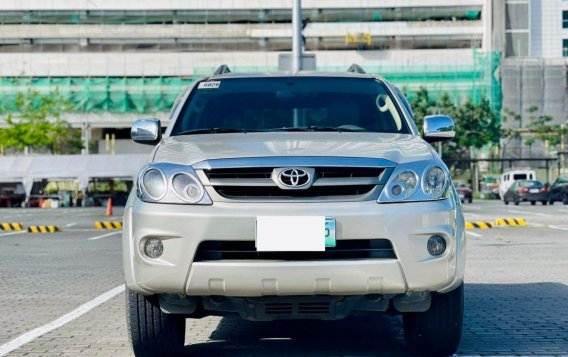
[[509, 195]]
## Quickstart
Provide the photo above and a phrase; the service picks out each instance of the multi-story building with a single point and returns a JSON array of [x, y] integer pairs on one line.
[[532, 35], [117, 60]]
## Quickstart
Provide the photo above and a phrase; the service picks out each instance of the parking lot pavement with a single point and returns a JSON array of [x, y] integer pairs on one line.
[[516, 289]]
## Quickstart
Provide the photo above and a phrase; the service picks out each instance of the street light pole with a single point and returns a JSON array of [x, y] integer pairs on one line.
[[296, 36]]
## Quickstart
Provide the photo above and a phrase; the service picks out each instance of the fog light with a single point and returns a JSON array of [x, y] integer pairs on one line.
[[436, 245], [153, 248]]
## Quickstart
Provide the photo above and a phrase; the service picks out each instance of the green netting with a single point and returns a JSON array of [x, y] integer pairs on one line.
[[96, 94], [151, 95], [460, 82]]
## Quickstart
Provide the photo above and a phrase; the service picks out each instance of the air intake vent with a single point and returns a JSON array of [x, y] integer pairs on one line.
[[277, 308], [313, 307]]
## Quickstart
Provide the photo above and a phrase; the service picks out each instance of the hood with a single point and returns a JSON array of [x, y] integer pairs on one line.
[[190, 149]]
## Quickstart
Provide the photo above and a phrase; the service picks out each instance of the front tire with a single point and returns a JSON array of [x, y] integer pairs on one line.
[[152, 332], [436, 332]]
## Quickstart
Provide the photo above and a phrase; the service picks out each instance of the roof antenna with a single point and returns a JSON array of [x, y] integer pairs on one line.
[[355, 68], [222, 69]]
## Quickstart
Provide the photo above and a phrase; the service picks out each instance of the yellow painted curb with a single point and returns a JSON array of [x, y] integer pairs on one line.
[[479, 224], [511, 222], [44, 229], [108, 225], [11, 227]]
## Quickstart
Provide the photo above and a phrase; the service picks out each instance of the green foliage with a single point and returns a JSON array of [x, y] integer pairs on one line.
[[37, 124], [538, 128], [421, 106], [476, 124]]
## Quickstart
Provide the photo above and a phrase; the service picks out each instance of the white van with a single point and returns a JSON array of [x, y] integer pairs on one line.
[[508, 178]]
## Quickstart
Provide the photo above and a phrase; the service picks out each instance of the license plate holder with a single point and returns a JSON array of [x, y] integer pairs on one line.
[[294, 233]]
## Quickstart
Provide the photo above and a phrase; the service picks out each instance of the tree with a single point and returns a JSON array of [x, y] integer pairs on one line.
[[421, 106], [37, 124], [538, 128], [476, 124]]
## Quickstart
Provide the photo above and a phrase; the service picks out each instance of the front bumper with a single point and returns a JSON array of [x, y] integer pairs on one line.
[[183, 227]]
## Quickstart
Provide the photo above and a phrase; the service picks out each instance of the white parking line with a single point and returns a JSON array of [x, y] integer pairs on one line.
[[477, 235], [104, 235], [12, 233], [559, 228], [55, 324], [71, 224], [531, 213]]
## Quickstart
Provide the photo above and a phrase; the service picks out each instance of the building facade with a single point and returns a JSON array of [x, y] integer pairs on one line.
[[117, 60], [532, 35]]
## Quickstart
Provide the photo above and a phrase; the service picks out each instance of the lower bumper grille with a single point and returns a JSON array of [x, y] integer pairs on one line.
[[279, 308], [344, 250]]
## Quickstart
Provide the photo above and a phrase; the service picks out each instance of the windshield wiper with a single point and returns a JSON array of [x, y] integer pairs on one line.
[[214, 131], [338, 129]]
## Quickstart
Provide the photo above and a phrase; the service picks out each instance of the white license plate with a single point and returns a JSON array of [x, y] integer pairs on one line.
[[533, 190], [462, 196], [290, 233]]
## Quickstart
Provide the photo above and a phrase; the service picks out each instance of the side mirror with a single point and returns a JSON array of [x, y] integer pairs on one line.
[[146, 131], [438, 128]]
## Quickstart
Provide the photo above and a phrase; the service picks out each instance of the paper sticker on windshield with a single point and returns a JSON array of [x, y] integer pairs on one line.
[[209, 85]]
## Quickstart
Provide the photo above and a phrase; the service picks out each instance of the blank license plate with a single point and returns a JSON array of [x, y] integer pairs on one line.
[[533, 190], [294, 233]]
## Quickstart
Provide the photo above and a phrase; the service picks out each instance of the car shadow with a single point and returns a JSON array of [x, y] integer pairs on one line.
[[512, 319]]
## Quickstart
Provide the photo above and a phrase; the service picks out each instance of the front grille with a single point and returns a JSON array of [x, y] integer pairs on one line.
[[266, 172], [239, 173], [329, 182], [344, 250], [275, 191]]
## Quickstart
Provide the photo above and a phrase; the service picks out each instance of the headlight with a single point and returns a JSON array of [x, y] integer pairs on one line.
[[434, 183], [187, 187], [171, 183], [416, 181], [154, 184], [403, 185]]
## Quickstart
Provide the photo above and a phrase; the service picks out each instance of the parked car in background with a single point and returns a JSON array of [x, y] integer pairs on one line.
[[559, 190], [489, 186], [464, 191], [508, 178], [527, 190]]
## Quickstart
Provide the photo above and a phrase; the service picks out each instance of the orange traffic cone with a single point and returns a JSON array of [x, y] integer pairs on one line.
[[109, 207]]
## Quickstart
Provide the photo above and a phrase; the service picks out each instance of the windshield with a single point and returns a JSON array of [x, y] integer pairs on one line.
[[290, 104]]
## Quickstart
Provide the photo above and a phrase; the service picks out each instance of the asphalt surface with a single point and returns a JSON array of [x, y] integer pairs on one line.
[[516, 295]]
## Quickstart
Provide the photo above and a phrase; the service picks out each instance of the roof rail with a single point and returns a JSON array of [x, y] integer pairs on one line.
[[355, 68], [222, 69]]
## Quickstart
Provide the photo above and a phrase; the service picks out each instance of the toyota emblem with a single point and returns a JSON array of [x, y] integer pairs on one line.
[[294, 178]]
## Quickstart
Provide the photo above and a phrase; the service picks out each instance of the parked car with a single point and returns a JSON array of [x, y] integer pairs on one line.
[[559, 190], [464, 191], [508, 178], [489, 186], [532, 191], [294, 196]]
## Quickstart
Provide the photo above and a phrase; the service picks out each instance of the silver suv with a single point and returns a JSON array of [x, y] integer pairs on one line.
[[305, 196]]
